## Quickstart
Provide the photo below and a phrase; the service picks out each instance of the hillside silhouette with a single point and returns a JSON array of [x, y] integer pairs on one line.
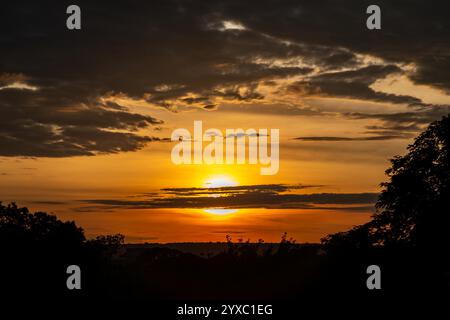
[[407, 237]]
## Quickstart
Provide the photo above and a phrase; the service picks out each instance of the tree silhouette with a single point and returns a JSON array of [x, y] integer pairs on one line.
[[413, 208], [19, 227], [36, 248]]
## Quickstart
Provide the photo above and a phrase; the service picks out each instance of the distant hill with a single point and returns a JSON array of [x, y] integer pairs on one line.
[[203, 249]]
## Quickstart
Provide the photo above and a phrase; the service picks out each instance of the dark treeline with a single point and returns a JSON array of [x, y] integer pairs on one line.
[[407, 237]]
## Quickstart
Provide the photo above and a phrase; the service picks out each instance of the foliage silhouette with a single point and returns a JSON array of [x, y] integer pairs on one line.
[[37, 249], [413, 209]]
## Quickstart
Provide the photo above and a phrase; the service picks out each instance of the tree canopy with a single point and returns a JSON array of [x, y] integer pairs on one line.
[[413, 207]]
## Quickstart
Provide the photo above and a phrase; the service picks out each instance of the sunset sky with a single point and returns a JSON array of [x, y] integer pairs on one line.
[[86, 116]]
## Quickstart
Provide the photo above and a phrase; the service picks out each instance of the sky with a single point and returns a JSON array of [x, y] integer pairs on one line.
[[87, 115]]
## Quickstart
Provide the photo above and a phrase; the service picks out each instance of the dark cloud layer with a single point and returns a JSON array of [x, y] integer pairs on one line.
[[253, 196], [401, 124], [180, 52], [33, 124], [353, 84]]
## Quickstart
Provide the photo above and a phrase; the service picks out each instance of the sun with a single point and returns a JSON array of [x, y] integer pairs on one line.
[[218, 181], [220, 211]]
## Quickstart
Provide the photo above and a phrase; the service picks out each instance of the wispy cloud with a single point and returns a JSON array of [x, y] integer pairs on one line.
[[252, 196], [366, 138]]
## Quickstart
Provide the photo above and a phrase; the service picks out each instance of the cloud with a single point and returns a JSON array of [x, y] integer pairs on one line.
[[398, 125], [197, 54], [279, 109], [401, 39], [43, 123], [404, 124], [276, 196], [269, 188], [49, 202], [369, 138], [423, 116], [354, 84]]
